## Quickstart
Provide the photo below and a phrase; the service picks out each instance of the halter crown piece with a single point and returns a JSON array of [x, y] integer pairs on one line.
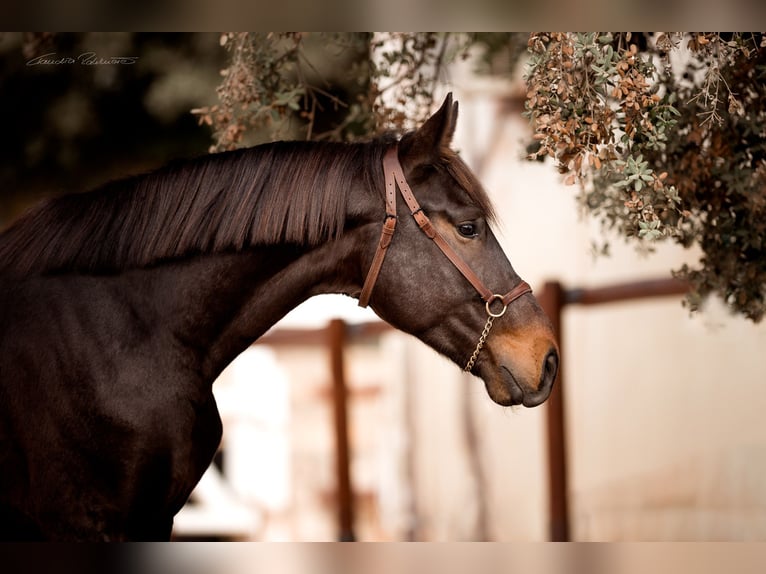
[[395, 176]]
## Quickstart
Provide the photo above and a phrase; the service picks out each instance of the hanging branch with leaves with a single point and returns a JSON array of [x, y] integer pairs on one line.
[[666, 141]]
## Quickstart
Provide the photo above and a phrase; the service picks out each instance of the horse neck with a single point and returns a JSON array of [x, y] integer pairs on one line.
[[217, 305]]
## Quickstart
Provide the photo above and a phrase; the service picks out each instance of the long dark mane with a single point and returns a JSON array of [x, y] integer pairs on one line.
[[283, 192]]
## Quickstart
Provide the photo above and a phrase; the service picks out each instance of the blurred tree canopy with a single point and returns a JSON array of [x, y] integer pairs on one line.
[[662, 134], [76, 114]]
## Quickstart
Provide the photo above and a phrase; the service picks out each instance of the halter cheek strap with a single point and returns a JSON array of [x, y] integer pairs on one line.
[[394, 175]]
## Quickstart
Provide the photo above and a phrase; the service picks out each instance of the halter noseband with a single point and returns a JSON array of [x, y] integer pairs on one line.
[[395, 175]]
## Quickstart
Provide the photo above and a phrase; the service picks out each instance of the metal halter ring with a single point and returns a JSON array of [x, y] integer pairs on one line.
[[492, 300]]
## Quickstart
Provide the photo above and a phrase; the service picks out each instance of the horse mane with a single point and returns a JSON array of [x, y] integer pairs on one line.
[[282, 192]]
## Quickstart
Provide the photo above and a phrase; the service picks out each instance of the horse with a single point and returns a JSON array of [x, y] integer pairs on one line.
[[121, 305]]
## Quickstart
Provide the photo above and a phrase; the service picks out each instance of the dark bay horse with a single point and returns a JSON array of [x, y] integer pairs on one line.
[[121, 306]]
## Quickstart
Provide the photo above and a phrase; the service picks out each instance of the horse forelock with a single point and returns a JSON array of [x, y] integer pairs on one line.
[[451, 162]]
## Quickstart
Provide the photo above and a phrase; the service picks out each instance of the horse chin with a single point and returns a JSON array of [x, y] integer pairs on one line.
[[503, 388]]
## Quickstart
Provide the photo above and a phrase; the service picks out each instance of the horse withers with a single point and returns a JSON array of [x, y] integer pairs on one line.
[[121, 306]]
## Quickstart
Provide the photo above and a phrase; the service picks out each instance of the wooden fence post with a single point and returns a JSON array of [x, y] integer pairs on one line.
[[336, 331], [551, 299]]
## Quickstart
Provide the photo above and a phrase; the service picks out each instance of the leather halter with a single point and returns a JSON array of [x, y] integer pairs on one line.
[[394, 175]]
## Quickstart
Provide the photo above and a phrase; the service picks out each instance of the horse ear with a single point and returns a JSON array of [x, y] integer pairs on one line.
[[435, 135]]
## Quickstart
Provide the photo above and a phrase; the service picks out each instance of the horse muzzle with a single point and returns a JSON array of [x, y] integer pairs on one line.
[[521, 368]]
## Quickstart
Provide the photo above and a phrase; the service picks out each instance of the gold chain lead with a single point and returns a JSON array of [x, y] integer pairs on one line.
[[482, 339]]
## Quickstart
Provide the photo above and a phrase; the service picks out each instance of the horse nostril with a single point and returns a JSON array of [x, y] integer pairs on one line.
[[550, 369]]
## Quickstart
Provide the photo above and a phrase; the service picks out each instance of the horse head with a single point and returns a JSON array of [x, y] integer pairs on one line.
[[439, 272]]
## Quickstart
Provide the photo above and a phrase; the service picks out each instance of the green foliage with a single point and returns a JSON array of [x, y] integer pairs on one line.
[[594, 105], [667, 142], [336, 86], [269, 81]]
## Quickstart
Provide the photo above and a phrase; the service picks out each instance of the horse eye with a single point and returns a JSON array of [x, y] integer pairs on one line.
[[467, 229]]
